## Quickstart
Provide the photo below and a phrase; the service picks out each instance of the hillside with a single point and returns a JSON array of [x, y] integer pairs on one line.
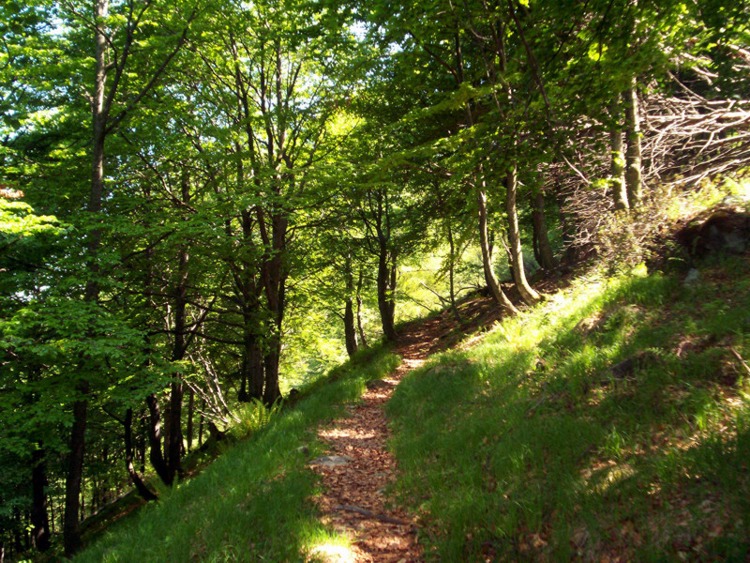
[[608, 423]]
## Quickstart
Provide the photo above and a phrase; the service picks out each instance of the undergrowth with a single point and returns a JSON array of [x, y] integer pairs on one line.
[[613, 420], [254, 502]]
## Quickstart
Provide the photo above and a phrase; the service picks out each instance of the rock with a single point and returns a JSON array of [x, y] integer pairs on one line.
[[304, 450], [293, 396], [726, 229], [626, 368], [692, 278], [377, 384], [331, 460]]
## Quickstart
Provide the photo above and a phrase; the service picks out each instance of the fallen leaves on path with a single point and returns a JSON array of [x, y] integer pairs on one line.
[[354, 501]]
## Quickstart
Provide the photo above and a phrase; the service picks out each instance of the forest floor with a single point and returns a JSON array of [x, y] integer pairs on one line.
[[359, 466]]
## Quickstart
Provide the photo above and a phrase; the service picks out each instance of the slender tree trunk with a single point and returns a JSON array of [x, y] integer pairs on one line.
[[360, 324], [174, 447], [489, 273], [386, 287], [140, 486], [617, 164], [173, 439], [271, 360], [545, 256], [154, 437], [201, 424], [252, 372], [251, 369], [514, 239], [350, 331], [191, 413], [274, 281], [142, 443], [633, 180], [71, 526], [40, 533], [271, 364]]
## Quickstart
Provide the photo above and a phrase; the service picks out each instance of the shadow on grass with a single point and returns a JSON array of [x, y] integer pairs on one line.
[[532, 446], [254, 503]]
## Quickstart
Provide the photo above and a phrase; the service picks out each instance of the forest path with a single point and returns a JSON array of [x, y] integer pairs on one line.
[[359, 465]]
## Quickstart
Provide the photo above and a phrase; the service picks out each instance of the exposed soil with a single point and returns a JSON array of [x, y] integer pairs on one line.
[[354, 501]]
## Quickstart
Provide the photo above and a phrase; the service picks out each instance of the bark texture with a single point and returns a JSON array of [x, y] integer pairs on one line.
[[617, 164], [40, 532], [489, 273], [633, 173], [528, 294]]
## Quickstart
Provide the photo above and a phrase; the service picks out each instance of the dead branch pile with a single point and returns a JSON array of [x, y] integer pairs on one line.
[[689, 138], [686, 138]]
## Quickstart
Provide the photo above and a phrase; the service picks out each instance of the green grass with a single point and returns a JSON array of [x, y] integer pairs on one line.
[[527, 447], [254, 503]]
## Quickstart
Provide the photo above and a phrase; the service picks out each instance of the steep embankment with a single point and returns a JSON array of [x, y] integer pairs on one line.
[[611, 423]]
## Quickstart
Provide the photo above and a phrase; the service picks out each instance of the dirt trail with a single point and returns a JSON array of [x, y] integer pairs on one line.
[[359, 466]]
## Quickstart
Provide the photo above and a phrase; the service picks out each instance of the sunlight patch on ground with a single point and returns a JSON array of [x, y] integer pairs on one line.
[[344, 432], [329, 553], [412, 363]]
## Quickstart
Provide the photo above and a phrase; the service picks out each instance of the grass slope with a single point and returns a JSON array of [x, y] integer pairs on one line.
[[530, 446], [254, 503]]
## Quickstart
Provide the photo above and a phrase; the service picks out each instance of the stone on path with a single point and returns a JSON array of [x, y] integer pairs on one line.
[[331, 460]]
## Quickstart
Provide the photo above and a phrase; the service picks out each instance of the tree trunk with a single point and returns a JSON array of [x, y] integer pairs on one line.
[[274, 283], [251, 369], [386, 287], [191, 413], [174, 447], [360, 324], [140, 486], [489, 273], [271, 363], [201, 424], [617, 164], [514, 239], [142, 443], [40, 533], [154, 438], [633, 180], [71, 526], [545, 256], [350, 331]]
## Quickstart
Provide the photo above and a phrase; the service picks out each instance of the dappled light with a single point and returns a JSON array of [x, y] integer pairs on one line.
[[224, 224]]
